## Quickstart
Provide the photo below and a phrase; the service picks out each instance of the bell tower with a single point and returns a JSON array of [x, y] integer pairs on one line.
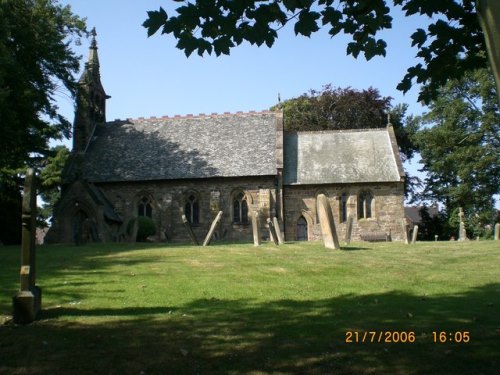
[[90, 100]]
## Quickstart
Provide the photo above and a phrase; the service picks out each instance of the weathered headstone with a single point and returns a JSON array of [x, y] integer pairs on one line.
[[255, 228], [27, 302], [210, 233], [277, 229], [135, 230], [348, 230], [187, 225], [272, 232], [404, 227], [462, 235], [497, 231], [330, 238], [414, 235]]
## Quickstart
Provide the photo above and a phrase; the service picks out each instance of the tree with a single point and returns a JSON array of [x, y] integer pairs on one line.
[[453, 43], [36, 62], [461, 150]]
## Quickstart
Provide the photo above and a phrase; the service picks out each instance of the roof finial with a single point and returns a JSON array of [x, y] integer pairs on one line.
[[93, 43]]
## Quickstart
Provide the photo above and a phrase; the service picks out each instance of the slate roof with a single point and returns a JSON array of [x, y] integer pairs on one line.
[[228, 145], [346, 156]]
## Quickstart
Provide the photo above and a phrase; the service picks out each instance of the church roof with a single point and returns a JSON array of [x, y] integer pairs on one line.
[[228, 145], [343, 156]]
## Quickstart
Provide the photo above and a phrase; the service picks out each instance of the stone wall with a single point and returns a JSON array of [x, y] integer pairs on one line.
[[387, 209], [168, 199]]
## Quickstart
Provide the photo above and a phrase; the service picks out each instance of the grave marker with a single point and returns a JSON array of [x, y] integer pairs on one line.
[[210, 233], [187, 225], [277, 229], [330, 238], [462, 235], [414, 236], [272, 232], [27, 302], [497, 231], [255, 228], [404, 226], [348, 230]]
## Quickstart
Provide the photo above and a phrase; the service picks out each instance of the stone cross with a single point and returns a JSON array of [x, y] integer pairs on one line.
[[497, 231], [255, 228], [277, 229], [187, 225], [27, 302], [414, 236], [348, 230], [211, 231], [404, 227], [462, 235], [272, 232], [330, 238]]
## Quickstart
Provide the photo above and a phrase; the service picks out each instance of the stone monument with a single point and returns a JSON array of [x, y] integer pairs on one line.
[[27, 303], [277, 229], [255, 228], [414, 235], [272, 232], [404, 227], [330, 238], [462, 235], [497, 231], [187, 225], [348, 230], [211, 231]]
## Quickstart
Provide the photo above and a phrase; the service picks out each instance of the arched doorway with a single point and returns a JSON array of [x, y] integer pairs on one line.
[[302, 229], [79, 220]]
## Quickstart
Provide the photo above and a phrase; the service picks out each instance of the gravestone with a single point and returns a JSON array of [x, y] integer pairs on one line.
[[27, 302], [277, 229], [462, 235], [255, 228], [272, 232], [348, 230], [330, 238], [414, 236], [187, 225], [210, 233], [404, 227], [135, 230], [497, 231]]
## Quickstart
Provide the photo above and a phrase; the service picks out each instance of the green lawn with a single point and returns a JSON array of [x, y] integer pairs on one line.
[[237, 309]]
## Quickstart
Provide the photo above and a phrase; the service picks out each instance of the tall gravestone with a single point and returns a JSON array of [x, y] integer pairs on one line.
[[211, 231], [255, 228], [415, 233], [497, 231], [27, 302], [187, 225], [348, 230], [330, 238], [272, 232], [277, 229], [404, 227], [462, 235]]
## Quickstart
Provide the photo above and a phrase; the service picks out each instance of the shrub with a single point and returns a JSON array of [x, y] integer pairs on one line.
[[146, 227]]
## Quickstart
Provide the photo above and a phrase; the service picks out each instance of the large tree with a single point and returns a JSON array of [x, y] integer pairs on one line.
[[460, 147], [453, 43], [36, 63]]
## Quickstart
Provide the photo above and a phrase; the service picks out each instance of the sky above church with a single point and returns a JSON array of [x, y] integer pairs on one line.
[[151, 77]]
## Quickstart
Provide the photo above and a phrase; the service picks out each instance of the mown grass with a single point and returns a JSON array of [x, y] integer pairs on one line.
[[237, 309]]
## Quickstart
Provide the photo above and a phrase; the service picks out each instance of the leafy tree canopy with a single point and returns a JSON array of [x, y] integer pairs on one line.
[[460, 147], [452, 44]]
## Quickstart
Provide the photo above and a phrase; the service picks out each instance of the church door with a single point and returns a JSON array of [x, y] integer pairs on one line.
[[301, 229]]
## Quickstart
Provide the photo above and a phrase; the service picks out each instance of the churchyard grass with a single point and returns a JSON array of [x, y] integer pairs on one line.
[[240, 309]]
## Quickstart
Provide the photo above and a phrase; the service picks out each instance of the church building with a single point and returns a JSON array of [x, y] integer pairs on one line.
[[237, 163]]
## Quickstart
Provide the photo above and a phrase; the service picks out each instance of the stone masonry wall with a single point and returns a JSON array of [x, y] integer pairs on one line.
[[387, 209]]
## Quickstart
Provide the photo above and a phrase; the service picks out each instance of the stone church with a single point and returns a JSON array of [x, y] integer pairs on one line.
[[236, 163]]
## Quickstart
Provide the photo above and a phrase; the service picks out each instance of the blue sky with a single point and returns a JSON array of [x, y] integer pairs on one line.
[[150, 77]]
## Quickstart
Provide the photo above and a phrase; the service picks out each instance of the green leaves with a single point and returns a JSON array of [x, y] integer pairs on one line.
[[156, 19], [307, 23]]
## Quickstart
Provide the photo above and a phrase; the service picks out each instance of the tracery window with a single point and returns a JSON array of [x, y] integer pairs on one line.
[[192, 209], [240, 209], [145, 207], [365, 205]]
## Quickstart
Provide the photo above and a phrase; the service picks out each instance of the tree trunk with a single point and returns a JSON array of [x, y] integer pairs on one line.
[[489, 19]]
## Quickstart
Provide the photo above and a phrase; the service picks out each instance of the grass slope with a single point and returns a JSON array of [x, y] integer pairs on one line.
[[237, 309]]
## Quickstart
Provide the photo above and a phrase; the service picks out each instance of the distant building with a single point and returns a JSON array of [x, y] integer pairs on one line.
[[413, 216], [165, 167]]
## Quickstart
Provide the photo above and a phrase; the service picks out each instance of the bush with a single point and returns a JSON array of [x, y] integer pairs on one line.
[[146, 227]]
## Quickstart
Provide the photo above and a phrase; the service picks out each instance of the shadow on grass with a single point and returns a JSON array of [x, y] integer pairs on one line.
[[243, 336]]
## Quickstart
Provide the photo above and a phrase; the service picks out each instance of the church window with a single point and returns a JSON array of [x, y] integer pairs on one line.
[[192, 209], [301, 229], [365, 205], [240, 209], [145, 208], [343, 207]]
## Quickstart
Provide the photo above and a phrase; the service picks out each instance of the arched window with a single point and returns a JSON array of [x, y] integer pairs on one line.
[[301, 229], [145, 208], [240, 209], [365, 205], [192, 209], [343, 207]]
